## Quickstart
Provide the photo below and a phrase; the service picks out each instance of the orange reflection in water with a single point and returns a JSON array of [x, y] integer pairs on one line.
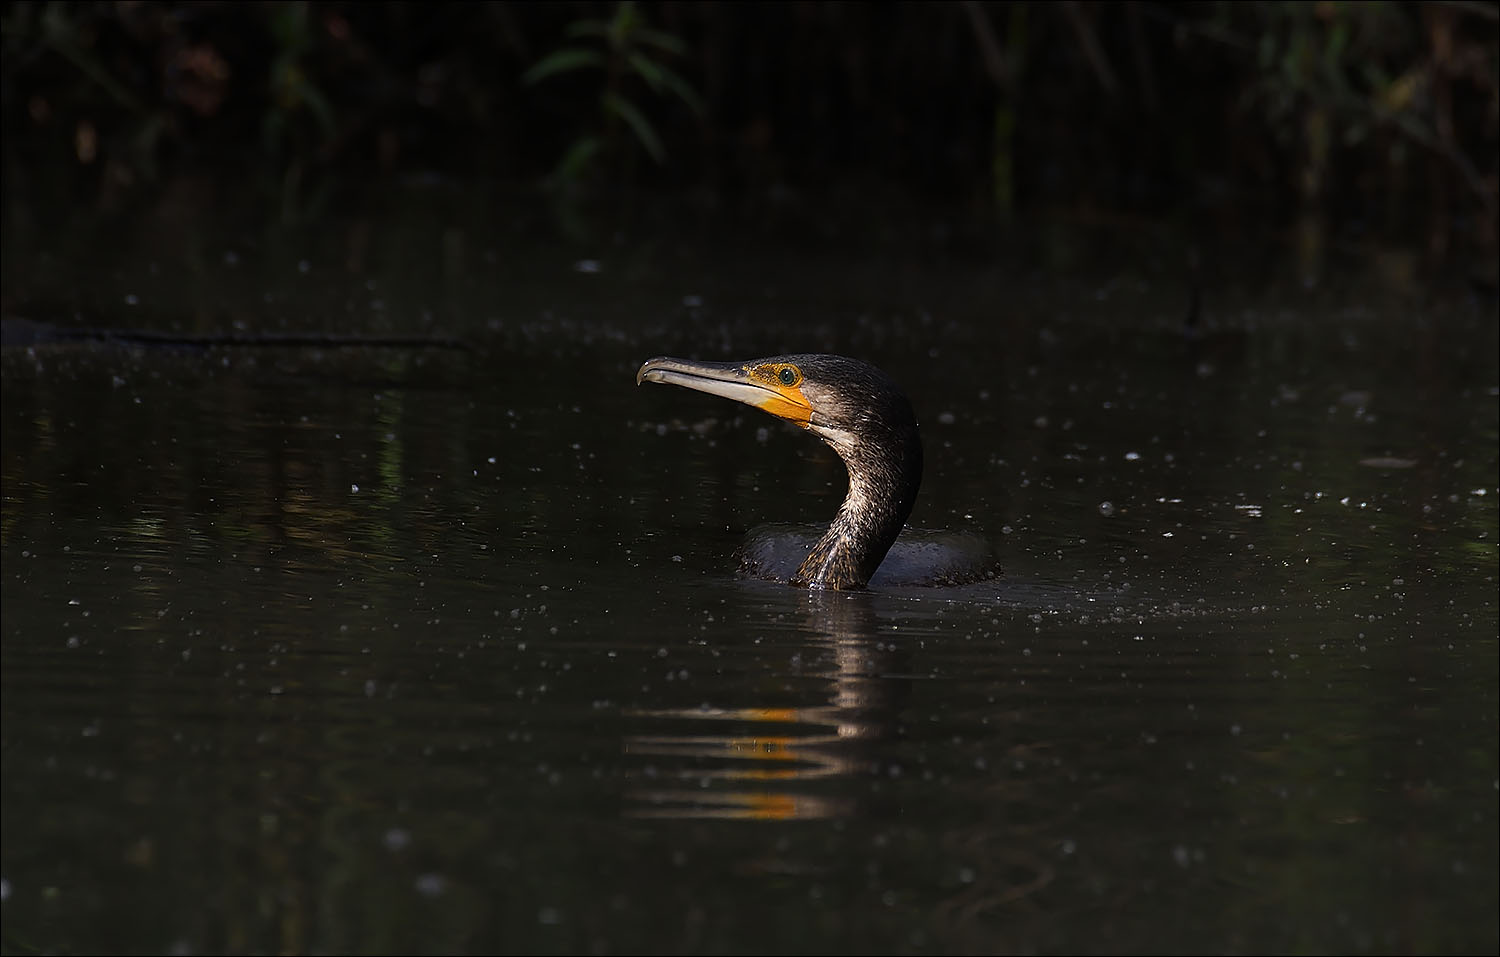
[[797, 745], [776, 763]]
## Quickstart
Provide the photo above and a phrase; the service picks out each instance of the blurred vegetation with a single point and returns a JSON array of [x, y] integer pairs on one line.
[[1382, 118], [629, 48]]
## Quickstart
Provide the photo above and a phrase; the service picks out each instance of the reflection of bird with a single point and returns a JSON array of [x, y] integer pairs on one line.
[[858, 410]]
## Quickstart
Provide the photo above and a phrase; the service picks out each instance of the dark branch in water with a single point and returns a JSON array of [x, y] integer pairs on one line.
[[27, 332]]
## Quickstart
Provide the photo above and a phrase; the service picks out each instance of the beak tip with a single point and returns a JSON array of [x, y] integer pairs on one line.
[[648, 366]]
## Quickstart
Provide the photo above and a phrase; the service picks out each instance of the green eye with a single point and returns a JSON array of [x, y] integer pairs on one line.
[[788, 376]]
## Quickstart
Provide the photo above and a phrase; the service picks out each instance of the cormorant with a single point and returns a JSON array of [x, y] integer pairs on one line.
[[869, 422]]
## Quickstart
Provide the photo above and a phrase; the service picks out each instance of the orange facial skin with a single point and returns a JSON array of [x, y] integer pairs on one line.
[[783, 397]]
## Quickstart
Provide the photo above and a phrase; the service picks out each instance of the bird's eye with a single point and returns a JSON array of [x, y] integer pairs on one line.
[[788, 376]]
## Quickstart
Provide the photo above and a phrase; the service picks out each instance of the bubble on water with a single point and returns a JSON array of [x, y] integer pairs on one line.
[[1106, 508]]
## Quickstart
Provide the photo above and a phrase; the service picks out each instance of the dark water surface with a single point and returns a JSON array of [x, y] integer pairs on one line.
[[341, 649]]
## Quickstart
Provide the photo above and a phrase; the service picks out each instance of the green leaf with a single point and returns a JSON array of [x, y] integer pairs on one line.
[[1338, 41], [575, 161], [1267, 52], [667, 77], [320, 107], [660, 40], [561, 62], [58, 33], [626, 111], [646, 68], [623, 26]]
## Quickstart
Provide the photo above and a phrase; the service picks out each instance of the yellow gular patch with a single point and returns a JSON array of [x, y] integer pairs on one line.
[[785, 399]]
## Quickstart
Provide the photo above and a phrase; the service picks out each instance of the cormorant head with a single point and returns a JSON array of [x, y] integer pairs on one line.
[[849, 404]]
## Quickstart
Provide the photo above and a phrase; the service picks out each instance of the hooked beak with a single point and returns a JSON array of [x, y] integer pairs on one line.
[[738, 381]]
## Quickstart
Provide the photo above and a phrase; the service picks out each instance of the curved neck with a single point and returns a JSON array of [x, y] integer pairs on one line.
[[883, 486]]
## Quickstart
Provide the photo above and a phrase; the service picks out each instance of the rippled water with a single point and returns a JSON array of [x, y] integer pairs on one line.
[[364, 649]]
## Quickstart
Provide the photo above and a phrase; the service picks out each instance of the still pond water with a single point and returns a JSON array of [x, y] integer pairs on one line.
[[324, 648]]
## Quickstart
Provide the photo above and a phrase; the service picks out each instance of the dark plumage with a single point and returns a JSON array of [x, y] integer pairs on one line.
[[856, 409]]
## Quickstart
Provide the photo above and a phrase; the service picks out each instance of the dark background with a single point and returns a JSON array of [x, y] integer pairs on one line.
[[1377, 120], [356, 599]]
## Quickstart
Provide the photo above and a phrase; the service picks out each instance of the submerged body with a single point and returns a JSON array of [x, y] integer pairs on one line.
[[869, 422], [919, 556]]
